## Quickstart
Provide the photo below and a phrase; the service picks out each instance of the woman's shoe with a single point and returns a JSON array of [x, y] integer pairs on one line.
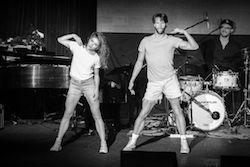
[[57, 146], [103, 148]]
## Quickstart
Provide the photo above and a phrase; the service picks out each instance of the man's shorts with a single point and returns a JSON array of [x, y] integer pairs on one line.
[[170, 87]]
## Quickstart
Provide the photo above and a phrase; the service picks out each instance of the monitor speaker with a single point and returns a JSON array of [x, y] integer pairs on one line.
[[232, 161], [148, 159]]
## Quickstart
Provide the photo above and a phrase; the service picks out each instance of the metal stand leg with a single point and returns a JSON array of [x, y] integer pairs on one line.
[[245, 109], [190, 113], [233, 101], [226, 114]]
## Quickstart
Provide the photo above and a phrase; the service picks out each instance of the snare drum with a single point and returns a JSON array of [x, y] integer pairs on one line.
[[203, 119], [190, 85], [225, 80]]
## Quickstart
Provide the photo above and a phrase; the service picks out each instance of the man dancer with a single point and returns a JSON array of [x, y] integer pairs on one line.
[[158, 51]]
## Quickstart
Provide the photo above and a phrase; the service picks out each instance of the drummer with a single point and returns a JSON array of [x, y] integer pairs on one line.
[[222, 50], [224, 53]]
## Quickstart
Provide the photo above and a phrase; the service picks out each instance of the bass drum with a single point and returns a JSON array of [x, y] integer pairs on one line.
[[201, 118]]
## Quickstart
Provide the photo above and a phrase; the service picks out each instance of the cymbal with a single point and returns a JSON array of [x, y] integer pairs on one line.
[[120, 70], [242, 52], [190, 77], [245, 51], [189, 59], [239, 56]]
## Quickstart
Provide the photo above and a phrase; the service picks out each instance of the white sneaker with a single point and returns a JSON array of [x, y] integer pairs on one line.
[[57, 146], [130, 146], [103, 148], [184, 147]]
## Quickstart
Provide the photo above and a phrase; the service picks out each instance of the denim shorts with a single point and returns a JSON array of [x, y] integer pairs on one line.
[[82, 87], [170, 87]]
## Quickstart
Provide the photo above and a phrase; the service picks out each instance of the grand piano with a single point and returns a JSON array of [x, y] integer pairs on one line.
[[32, 83], [33, 69]]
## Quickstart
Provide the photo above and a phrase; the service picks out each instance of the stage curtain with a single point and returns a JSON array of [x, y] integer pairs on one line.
[[53, 18]]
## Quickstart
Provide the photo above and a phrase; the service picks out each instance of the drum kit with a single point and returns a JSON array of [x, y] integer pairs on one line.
[[205, 108]]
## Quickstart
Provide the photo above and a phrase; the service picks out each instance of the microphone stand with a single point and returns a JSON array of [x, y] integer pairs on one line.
[[204, 20], [196, 24], [208, 34]]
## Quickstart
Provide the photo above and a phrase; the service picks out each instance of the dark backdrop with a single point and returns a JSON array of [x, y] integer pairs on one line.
[[53, 18]]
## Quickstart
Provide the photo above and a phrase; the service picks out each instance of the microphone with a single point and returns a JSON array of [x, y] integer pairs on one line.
[[207, 20]]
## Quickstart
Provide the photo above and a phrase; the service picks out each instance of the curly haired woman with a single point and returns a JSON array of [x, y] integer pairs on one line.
[[85, 80]]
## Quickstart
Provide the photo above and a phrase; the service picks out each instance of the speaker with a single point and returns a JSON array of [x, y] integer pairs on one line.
[[147, 159], [232, 161]]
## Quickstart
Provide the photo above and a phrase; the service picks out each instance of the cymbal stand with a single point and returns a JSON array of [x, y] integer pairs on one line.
[[243, 107], [224, 94], [179, 68]]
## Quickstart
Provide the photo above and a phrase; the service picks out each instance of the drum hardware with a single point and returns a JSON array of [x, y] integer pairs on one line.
[[178, 70], [207, 83], [224, 94], [243, 107], [215, 69], [160, 124]]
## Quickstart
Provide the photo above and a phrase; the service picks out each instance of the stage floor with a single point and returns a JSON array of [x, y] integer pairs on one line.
[[27, 144]]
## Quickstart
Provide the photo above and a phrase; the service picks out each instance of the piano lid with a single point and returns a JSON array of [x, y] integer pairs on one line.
[[33, 58]]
